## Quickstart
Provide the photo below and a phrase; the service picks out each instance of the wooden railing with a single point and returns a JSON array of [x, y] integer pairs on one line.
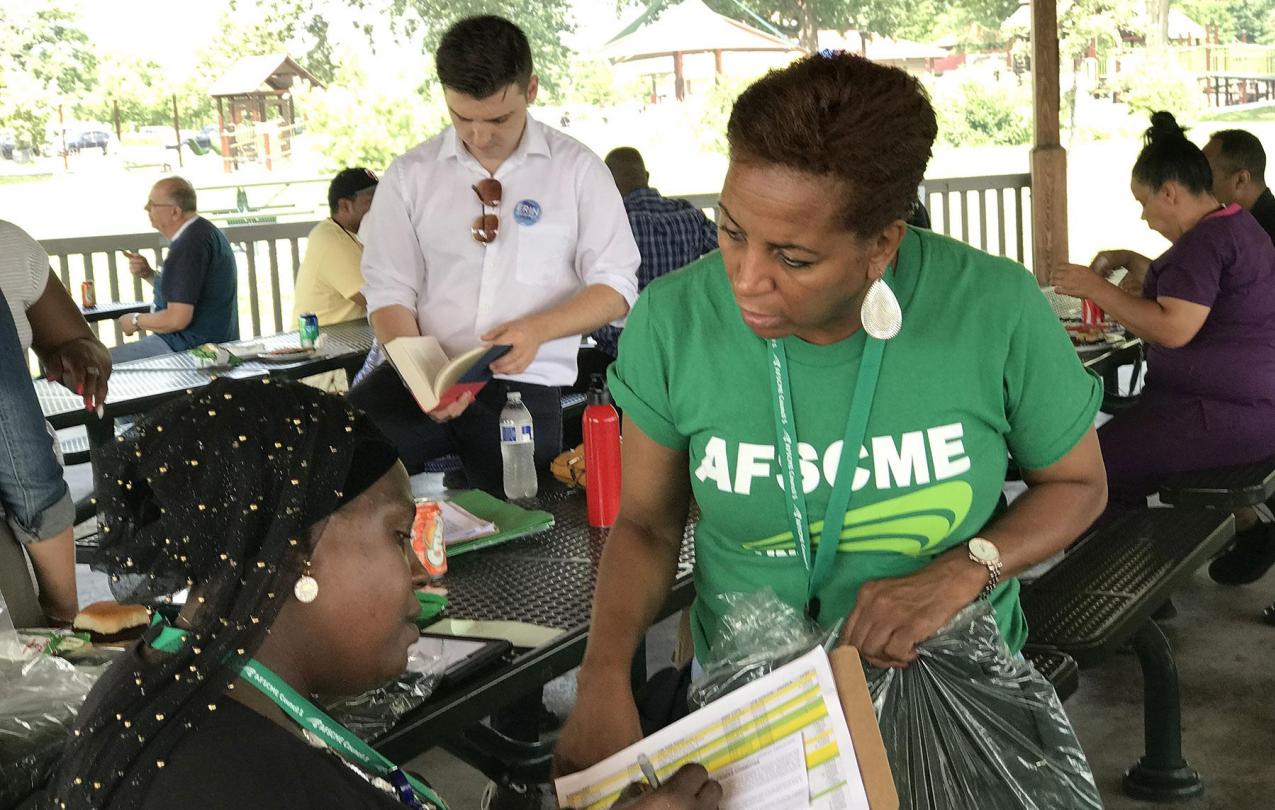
[[992, 213], [268, 257]]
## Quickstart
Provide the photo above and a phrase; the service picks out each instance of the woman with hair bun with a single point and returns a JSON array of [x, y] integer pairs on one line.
[[1206, 310]]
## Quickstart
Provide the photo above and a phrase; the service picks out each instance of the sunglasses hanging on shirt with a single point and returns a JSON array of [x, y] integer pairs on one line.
[[488, 222]]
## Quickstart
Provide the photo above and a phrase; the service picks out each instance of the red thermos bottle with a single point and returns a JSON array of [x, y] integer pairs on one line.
[[601, 455]]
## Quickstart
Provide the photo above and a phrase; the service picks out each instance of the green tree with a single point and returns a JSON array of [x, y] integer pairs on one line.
[[135, 84], [1159, 82], [1252, 20], [48, 44], [25, 108], [254, 27], [975, 113], [45, 57], [405, 112], [298, 28], [803, 19], [716, 112], [423, 22], [592, 82]]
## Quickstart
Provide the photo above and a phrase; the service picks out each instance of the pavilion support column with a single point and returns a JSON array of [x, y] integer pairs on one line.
[[1048, 158], [679, 77], [717, 66], [177, 132]]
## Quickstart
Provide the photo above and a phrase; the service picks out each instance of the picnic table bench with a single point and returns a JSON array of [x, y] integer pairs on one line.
[[1226, 488], [1103, 594]]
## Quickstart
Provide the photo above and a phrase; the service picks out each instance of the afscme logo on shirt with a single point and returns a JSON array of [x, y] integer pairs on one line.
[[912, 523], [918, 457]]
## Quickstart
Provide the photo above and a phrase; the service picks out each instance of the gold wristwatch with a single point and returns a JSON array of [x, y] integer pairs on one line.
[[985, 553]]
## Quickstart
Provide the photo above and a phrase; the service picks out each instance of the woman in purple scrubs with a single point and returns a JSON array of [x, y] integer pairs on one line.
[[1206, 311]]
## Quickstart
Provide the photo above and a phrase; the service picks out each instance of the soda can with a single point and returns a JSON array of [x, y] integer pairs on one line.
[[309, 328], [427, 539], [88, 295], [1090, 313]]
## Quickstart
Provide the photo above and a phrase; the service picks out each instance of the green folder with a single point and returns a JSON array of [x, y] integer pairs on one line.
[[512, 521]]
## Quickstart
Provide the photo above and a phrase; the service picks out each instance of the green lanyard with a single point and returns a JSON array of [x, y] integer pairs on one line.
[[819, 564], [310, 717]]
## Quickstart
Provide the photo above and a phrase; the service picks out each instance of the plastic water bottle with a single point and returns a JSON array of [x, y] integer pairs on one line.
[[518, 449]]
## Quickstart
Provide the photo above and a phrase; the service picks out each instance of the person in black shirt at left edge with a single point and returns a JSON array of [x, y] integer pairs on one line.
[[301, 535], [1238, 162]]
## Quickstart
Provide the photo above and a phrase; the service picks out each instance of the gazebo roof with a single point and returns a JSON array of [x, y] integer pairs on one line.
[[688, 26], [265, 75]]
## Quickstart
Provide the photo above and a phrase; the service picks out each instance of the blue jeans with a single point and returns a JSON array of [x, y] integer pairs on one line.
[[33, 495], [149, 346]]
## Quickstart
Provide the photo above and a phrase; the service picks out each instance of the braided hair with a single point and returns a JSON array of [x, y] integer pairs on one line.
[[218, 489]]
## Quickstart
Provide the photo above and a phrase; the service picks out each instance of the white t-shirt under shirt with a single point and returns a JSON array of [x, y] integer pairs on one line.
[[24, 272], [562, 227]]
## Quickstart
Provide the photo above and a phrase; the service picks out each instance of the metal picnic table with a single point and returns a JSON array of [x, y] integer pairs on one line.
[[1104, 359], [112, 310], [545, 579], [139, 385]]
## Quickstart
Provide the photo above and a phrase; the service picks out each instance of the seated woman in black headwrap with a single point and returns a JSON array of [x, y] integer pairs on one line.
[[286, 514]]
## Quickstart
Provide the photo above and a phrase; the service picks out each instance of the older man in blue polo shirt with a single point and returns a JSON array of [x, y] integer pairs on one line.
[[196, 293]]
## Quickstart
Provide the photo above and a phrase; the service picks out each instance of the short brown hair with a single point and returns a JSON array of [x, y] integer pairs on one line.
[[839, 115]]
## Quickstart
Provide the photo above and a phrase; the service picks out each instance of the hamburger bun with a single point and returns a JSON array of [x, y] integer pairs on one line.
[[111, 621]]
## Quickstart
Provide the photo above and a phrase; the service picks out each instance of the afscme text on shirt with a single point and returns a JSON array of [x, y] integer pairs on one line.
[[914, 458]]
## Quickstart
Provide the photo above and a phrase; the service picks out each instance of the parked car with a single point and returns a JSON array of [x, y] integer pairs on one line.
[[91, 139]]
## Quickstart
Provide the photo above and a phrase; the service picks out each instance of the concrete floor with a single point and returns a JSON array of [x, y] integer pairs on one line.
[[1226, 662]]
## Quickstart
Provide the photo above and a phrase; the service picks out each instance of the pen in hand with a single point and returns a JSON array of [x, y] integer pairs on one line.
[[648, 771]]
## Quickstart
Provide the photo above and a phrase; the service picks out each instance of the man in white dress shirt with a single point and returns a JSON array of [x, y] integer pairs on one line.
[[499, 230]]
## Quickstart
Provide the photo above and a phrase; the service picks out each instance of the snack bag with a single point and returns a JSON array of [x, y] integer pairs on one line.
[[427, 539], [210, 355]]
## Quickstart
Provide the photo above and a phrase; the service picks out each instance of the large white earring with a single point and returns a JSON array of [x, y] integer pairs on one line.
[[307, 587], [881, 315]]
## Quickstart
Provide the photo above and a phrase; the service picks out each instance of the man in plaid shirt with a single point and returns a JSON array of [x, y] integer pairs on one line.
[[670, 233]]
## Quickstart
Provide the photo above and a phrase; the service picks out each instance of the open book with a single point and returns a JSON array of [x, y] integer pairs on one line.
[[435, 380]]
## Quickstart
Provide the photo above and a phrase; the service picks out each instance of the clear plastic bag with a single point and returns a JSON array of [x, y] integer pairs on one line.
[[40, 696], [968, 725], [759, 633], [374, 712]]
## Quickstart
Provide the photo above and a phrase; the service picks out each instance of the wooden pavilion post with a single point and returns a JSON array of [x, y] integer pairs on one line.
[[222, 136], [1048, 158], [679, 78], [177, 132]]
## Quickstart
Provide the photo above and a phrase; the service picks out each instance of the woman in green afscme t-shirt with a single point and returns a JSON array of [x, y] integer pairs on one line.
[[773, 382]]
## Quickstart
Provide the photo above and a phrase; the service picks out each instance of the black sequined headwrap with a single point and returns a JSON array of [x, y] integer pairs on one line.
[[215, 489]]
